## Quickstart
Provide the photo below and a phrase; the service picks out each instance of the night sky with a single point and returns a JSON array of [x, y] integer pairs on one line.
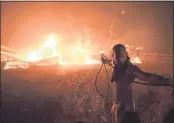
[[24, 25]]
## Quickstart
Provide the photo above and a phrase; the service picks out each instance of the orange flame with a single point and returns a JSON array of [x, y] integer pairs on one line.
[[77, 54], [136, 60], [80, 54]]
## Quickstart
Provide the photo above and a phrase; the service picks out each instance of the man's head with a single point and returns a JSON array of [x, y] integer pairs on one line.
[[120, 55]]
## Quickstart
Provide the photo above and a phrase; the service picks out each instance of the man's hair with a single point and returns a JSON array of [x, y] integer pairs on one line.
[[117, 48]]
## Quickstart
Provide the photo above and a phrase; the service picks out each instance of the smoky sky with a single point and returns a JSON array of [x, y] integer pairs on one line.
[[25, 24]]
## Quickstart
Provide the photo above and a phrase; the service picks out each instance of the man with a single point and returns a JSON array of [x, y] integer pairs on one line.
[[124, 72]]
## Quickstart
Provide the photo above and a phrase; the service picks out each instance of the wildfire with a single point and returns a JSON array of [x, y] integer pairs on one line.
[[34, 56], [78, 54], [136, 60], [101, 51], [13, 65], [17, 66]]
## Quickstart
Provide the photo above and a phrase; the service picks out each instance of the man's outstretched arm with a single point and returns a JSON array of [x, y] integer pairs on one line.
[[152, 78]]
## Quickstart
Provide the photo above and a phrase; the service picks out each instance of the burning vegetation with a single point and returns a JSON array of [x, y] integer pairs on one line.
[[52, 49]]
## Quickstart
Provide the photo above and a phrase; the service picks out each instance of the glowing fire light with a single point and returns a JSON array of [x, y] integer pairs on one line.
[[33, 56], [13, 67], [101, 51], [136, 60], [79, 54], [51, 42]]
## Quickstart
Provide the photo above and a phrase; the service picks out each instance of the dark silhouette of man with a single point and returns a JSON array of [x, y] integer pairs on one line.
[[124, 72]]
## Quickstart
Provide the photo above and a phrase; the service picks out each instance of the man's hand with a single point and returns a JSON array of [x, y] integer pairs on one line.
[[104, 61], [166, 81]]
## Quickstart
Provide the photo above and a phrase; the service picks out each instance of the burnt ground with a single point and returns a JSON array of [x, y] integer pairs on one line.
[[51, 96]]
